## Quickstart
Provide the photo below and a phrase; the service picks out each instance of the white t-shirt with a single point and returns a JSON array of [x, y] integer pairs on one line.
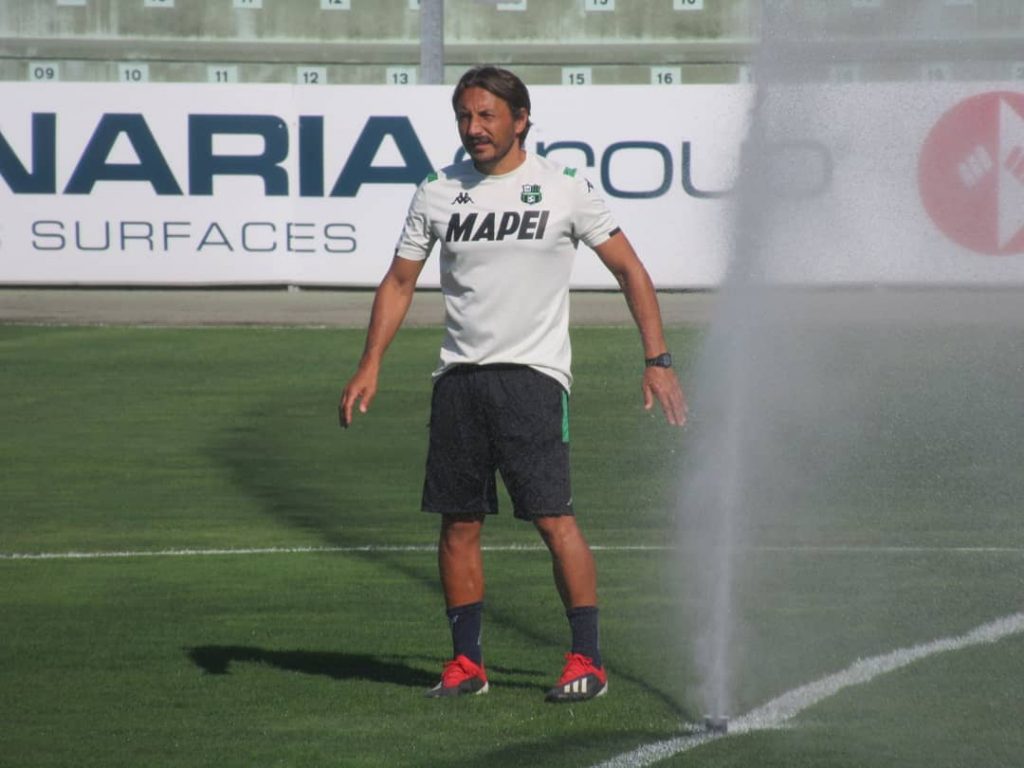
[[507, 247]]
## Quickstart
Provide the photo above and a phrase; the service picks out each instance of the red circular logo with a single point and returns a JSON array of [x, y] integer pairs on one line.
[[971, 173]]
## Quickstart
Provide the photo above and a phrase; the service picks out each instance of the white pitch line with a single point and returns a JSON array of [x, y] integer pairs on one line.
[[187, 552], [777, 712], [196, 552], [370, 548]]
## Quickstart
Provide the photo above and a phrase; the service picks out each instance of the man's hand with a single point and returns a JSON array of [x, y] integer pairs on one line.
[[390, 303], [662, 383], [362, 387]]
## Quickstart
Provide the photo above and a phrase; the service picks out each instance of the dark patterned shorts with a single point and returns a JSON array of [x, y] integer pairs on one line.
[[498, 418]]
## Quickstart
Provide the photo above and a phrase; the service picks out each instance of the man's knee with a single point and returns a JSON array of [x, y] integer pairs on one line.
[[558, 530], [460, 533]]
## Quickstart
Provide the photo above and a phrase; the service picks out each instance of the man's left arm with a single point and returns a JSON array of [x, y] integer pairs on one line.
[[659, 383]]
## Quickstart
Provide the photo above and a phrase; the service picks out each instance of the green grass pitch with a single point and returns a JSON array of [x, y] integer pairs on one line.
[[124, 440]]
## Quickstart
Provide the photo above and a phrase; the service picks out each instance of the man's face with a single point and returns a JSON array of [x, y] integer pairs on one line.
[[488, 130]]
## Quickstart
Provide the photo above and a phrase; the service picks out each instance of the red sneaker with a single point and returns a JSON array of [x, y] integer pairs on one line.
[[461, 676], [580, 680]]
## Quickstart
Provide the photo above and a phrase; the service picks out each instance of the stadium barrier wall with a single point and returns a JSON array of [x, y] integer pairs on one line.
[[205, 184]]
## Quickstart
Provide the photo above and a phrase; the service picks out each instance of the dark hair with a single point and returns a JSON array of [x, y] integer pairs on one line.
[[503, 84]]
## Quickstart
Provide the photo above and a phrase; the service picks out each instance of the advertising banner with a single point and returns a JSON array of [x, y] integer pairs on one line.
[[205, 184], [274, 184], [894, 184]]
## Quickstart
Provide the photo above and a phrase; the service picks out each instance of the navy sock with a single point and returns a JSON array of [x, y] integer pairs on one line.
[[466, 624], [583, 622]]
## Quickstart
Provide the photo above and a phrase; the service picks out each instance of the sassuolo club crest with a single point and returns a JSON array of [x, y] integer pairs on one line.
[[531, 194]]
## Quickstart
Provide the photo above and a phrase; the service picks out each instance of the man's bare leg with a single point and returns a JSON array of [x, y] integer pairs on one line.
[[571, 560], [576, 579], [460, 564], [460, 561]]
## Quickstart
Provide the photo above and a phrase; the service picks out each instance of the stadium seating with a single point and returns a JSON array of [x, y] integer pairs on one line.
[[371, 41], [576, 42]]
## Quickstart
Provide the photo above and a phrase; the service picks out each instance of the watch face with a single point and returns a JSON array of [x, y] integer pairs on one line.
[[663, 360]]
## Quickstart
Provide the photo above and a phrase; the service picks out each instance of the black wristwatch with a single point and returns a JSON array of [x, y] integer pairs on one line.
[[664, 360]]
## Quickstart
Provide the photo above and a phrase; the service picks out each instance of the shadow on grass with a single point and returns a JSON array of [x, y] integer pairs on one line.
[[273, 462], [217, 660]]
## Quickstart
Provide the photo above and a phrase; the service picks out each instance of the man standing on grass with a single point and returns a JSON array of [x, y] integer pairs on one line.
[[509, 223]]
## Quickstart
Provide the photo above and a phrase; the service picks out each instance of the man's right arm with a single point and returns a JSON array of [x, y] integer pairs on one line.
[[390, 304]]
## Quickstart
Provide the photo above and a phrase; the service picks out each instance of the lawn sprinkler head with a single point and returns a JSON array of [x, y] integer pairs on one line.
[[716, 724]]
